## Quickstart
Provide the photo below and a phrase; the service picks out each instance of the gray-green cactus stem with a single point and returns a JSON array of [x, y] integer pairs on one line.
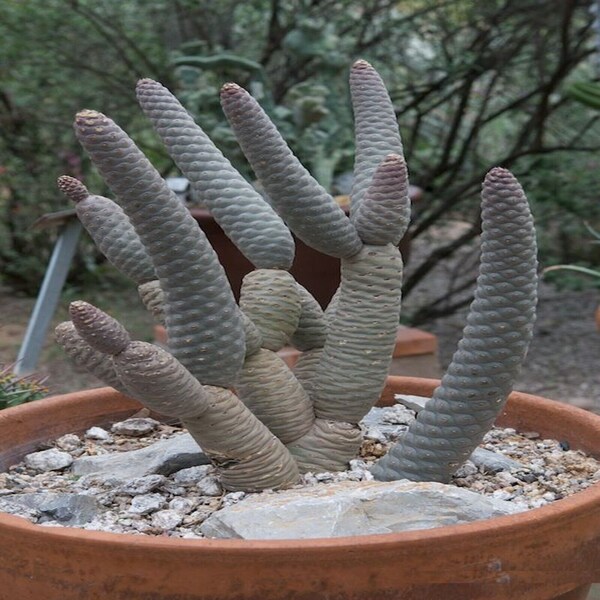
[[248, 456], [361, 335], [153, 298], [384, 213], [328, 446], [489, 356], [375, 125], [270, 298], [269, 389], [311, 331], [110, 229], [83, 355], [247, 219], [310, 212], [203, 322]]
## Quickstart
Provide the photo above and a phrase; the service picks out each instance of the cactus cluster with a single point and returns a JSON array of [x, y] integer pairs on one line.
[[259, 422]]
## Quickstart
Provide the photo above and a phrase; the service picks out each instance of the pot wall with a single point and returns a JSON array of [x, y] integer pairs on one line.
[[535, 555]]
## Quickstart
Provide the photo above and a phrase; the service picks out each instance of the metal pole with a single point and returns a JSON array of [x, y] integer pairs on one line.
[[48, 298]]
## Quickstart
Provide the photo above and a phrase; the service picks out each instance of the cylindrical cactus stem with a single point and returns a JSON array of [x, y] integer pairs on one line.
[[311, 331], [247, 219], [110, 229], [305, 369], [202, 319], [375, 126], [270, 298], [310, 212], [328, 446], [83, 355], [384, 214], [494, 343], [153, 298], [269, 389], [361, 335], [248, 456], [252, 335]]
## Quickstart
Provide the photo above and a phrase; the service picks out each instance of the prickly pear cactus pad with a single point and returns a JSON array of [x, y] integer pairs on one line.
[[489, 356]]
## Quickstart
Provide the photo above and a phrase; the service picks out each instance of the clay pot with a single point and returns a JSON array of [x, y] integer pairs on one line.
[[549, 552]]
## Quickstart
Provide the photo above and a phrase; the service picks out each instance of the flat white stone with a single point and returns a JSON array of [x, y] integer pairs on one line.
[[136, 426], [48, 460], [98, 433], [351, 508], [146, 503]]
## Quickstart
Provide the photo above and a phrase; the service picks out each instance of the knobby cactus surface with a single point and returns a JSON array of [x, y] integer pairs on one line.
[[260, 423]]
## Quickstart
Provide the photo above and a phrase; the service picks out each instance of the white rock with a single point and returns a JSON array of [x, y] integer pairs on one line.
[[166, 519], [183, 506], [137, 426], [192, 474], [146, 503], [48, 460], [351, 509], [209, 486], [68, 442], [143, 485], [97, 433]]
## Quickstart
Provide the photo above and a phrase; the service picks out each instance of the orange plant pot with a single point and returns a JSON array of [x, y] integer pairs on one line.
[[549, 552]]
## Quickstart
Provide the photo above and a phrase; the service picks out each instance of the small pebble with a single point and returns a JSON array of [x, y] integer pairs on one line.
[[146, 503], [48, 460], [136, 427], [166, 519], [143, 485], [97, 433], [68, 442]]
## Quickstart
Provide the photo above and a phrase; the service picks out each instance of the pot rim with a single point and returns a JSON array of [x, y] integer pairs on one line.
[[569, 509]]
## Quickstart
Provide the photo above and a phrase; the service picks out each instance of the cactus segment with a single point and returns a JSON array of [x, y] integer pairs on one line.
[[361, 336], [375, 126], [489, 356], [270, 298], [202, 319], [269, 389], [249, 457], [311, 331], [253, 337], [328, 446], [310, 212], [247, 219], [99, 330], [153, 299], [83, 355], [384, 214], [305, 369], [110, 229], [160, 381]]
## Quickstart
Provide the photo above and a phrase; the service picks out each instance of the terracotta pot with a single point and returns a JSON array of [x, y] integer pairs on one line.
[[549, 552]]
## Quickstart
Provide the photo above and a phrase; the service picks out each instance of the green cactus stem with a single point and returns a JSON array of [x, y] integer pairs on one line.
[[240, 210], [110, 229], [495, 340], [269, 389], [153, 299], [249, 457], [203, 322], [311, 331], [83, 355], [375, 125], [384, 214], [269, 297], [310, 212]]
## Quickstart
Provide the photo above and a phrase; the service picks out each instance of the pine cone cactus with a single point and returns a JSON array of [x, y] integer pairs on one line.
[[260, 423]]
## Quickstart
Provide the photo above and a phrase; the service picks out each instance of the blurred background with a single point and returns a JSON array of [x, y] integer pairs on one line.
[[474, 85]]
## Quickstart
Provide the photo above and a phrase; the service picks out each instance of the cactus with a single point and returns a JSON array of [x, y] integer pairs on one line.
[[15, 390], [260, 423]]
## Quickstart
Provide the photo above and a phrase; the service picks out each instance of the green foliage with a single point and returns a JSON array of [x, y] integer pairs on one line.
[[586, 92], [16, 390]]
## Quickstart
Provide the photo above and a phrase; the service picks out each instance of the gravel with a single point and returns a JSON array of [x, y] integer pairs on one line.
[[178, 504]]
